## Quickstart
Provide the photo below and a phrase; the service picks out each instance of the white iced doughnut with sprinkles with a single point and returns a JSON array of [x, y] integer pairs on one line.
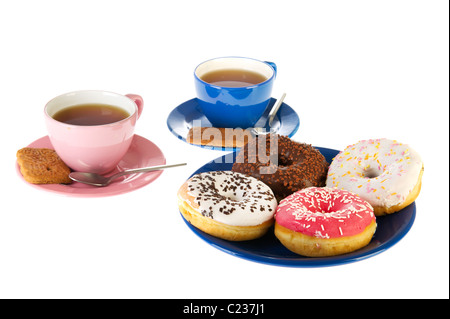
[[384, 172], [321, 221], [228, 205]]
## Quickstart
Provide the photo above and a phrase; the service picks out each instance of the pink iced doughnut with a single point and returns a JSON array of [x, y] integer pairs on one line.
[[321, 221]]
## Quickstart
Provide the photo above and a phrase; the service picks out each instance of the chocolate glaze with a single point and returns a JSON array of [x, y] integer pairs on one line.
[[299, 165]]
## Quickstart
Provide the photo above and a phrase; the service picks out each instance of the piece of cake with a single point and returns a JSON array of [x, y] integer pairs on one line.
[[42, 166]]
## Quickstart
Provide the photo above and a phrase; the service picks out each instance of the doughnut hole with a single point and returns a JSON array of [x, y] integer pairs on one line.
[[284, 161], [233, 195], [371, 170]]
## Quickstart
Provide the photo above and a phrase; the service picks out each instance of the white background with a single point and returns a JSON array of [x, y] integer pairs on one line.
[[351, 69]]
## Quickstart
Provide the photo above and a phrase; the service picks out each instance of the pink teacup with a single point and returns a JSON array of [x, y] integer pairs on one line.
[[93, 148]]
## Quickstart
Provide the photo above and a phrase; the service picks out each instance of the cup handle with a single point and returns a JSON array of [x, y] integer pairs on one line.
[[274, 66], [139, 102]]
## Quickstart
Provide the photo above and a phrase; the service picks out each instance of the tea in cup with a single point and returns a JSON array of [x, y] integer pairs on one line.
[[92, 130], [234, 91]]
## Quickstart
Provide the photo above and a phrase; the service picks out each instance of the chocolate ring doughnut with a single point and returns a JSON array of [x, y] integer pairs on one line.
[[284, 165]]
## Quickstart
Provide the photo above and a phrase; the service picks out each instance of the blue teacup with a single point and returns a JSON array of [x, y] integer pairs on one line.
[[226, 106]]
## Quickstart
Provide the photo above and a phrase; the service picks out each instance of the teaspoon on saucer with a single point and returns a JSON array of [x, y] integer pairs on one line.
[[99, 180], [262, 130]]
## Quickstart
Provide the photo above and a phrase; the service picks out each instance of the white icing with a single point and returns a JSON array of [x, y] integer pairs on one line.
[[232, 198], [382, 171]]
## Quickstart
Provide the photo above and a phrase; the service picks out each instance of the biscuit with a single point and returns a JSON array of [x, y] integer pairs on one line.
[[219, 137], [42, 166]]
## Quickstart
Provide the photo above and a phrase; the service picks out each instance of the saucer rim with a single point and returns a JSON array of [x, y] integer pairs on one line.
[[219, 148]]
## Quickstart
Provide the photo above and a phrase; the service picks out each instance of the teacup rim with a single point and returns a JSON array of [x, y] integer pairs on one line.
[[235, 88], [88, 126]]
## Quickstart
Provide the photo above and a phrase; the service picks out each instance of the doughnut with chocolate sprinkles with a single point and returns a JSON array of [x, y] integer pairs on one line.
[[227, 205], [283, 164]]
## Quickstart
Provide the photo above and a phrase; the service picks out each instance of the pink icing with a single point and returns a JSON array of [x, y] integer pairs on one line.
[[325, 213]]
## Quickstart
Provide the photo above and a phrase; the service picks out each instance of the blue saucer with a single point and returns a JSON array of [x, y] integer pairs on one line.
[[268, 250], [181, 120]]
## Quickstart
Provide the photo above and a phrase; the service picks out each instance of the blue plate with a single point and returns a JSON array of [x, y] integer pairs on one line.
[[182, 118], [268, 250]]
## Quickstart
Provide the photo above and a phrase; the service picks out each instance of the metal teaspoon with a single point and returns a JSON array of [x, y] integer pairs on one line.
[[99, 180]]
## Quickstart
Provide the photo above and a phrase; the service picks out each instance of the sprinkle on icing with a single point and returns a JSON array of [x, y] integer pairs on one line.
[[232, 198], [325, 213], [381, 171]]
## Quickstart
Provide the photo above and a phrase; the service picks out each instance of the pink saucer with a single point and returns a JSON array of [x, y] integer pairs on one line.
[[141, 153]]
